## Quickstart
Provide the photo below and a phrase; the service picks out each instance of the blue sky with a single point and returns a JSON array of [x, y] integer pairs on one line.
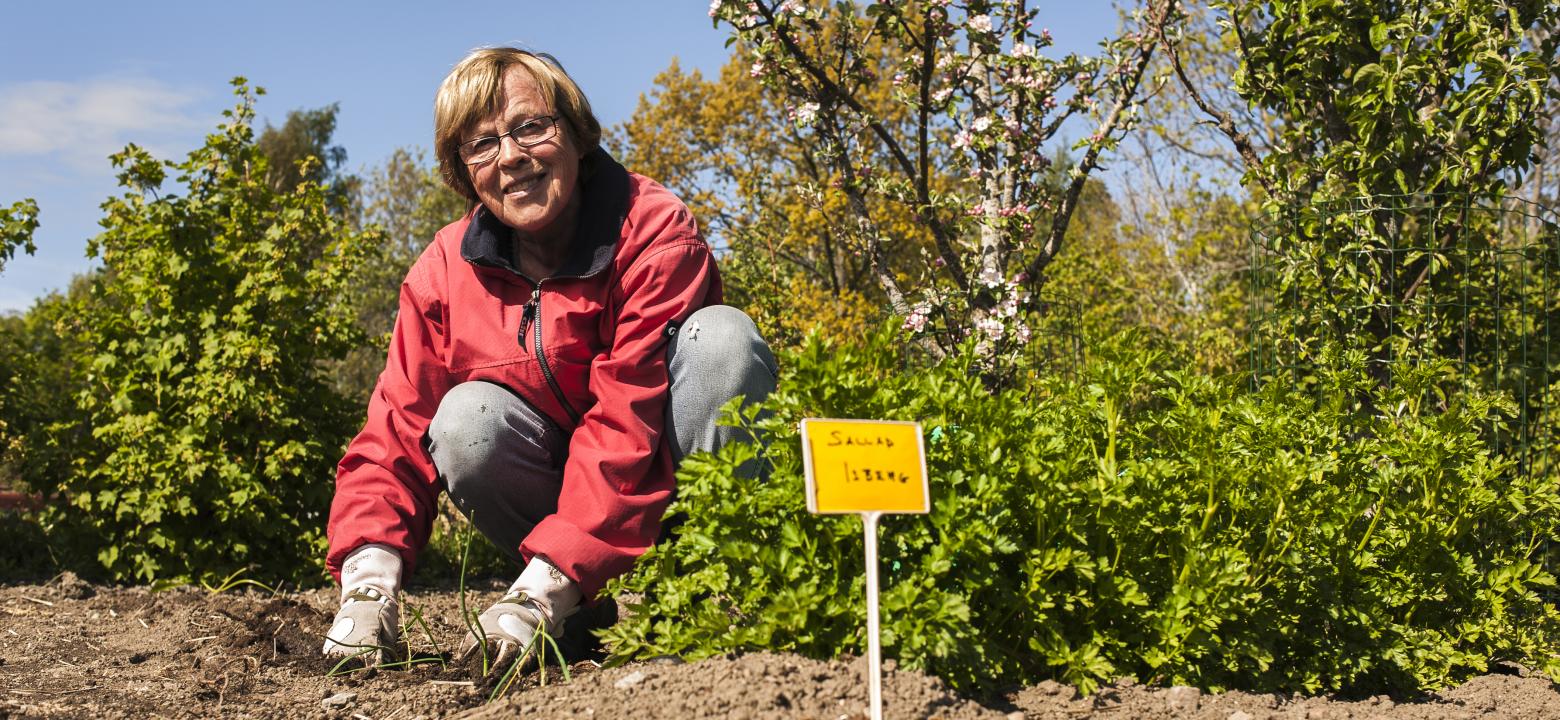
[[80, 80]]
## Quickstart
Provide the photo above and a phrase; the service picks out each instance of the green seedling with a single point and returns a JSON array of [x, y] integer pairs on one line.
[[235, 580], [502, 686], [346, 662], [466, 615], [345, 665], [542, 636], [470, 618], [410, 662], [416, 618]]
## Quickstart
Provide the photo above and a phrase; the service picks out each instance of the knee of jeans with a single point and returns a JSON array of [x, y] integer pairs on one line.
[[721, 339], [463, 436]]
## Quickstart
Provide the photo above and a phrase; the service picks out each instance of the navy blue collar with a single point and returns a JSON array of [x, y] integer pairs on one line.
[[603, 208]]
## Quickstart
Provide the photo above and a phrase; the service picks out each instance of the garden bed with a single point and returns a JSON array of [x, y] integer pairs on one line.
[[70, 649]]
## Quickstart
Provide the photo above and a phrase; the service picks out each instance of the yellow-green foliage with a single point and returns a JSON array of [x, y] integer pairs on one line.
[[1179, 276], [782, 221], [789, 307]]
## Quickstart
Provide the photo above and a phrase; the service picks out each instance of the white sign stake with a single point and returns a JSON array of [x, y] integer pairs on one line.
[[867, 467], [874, 643]]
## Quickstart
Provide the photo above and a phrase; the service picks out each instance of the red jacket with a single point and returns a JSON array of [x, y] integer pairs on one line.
[[637, 265]]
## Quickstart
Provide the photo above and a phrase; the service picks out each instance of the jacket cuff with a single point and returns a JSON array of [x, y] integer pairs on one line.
[[556, 595], [373, 565], [580, 556]]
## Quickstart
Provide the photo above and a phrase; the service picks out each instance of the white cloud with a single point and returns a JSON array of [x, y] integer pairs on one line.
[[83, 122]]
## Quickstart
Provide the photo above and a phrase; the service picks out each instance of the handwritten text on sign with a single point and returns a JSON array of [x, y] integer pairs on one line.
[[864, 466]]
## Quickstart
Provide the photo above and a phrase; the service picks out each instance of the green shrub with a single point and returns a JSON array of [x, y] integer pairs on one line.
[[213, 432], [1134, 521], [41, 431]]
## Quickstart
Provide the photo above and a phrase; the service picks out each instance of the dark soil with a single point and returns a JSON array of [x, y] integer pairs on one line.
[[69, 649]]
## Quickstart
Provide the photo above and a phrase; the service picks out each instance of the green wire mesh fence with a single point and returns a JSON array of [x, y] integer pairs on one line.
[[1056, 345], [1392, 284]]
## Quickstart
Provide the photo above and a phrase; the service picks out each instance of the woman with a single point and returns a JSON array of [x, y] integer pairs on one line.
[[557, 351]]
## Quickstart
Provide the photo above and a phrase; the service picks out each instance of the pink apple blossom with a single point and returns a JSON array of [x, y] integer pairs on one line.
[[992, 328], [916, 322], [806, 113]]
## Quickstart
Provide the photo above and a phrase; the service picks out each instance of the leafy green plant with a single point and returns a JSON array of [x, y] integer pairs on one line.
[[1137, 520], [1436, 96], [40, 430], [214, 433]]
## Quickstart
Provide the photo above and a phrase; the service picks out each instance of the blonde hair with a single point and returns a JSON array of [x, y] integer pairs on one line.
[[471, 92]]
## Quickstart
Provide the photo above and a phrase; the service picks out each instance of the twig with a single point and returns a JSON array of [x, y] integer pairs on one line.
[[1223, 120], [143, 623], [1089, 161], [274, 651], [464, 683], [834, 90], [202, 638], [77, 690], [36, 600]]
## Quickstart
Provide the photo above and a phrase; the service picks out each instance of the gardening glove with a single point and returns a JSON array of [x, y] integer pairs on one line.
[[367, 626], [538, 602]]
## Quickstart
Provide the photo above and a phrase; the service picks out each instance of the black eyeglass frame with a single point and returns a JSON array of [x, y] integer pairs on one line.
[[471, 157]]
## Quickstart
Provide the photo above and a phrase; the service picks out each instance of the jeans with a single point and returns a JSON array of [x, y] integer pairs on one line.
[[502, 460]]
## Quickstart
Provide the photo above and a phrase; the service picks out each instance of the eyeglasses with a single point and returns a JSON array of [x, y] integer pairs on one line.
[[531, 132]]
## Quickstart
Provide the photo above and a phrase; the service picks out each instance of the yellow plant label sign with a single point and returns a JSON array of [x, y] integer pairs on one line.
[[858, 466]]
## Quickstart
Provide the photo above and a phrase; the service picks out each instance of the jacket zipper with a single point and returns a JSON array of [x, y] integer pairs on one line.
[[533, 311]]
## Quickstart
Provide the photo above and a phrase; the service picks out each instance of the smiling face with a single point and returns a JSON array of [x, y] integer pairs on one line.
[[533, 190]]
